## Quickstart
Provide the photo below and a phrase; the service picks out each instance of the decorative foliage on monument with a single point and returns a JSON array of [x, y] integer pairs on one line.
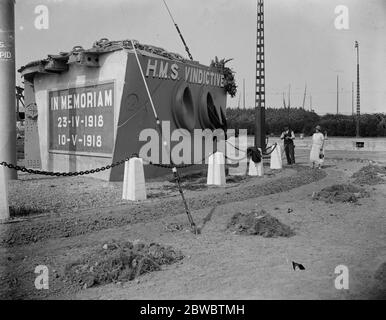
[[229, 78]]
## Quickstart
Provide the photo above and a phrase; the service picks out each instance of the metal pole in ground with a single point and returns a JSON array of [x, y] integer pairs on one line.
[[358, 92], [7, 86], [260, 79]]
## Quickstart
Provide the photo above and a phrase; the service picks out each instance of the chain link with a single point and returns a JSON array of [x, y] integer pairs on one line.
[[273, 147], [63, 174], [238, 149], [171, 166], [97, 170], [92, 171]]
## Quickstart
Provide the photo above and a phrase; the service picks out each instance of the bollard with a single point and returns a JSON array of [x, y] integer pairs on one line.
[[256, 169], [4, 206], [260, 168], [216, 169], [252, 171], [134, 188], [209, 179], [276, 162]]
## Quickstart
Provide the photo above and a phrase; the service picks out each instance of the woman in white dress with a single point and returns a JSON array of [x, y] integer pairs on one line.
[[317, 149]]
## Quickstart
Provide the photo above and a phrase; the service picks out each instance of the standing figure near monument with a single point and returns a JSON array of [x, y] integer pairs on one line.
[[288, 136], [317, 149]]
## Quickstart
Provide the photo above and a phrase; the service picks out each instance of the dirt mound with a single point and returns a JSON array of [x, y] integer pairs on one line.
[[119, 262], [370, 175], [341, 193], [259, 223]]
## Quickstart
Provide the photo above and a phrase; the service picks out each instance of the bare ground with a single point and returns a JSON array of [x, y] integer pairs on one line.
[[218, 263]]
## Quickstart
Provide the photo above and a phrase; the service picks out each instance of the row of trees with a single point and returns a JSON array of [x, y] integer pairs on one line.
[[302, 121]]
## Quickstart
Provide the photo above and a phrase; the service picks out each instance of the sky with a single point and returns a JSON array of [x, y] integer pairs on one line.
[[302, 44]]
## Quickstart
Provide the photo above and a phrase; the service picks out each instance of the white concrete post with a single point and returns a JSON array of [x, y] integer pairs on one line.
[[216, 170], [276, 162], [256, 169], [134, 188]]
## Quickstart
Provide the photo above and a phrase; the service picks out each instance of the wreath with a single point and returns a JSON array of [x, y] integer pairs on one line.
[[229, 78]]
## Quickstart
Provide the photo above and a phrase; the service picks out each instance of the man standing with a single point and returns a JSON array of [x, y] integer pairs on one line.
[[288, 136]]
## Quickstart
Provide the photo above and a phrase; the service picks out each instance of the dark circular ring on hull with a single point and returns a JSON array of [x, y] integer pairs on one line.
[[183, 108]]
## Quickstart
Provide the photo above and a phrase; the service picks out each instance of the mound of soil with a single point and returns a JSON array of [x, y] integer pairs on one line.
[[119, 262], [259, 223], [341, 193], [370, 175]]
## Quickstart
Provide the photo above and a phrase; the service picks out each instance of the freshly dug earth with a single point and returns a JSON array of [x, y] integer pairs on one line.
[[370, 175], [118, 262], [341, 193], [259, 223]]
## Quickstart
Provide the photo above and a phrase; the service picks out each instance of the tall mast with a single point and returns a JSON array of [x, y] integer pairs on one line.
[[358, 91], [260, 79]]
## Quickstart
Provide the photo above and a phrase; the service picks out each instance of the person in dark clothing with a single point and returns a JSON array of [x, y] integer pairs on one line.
[[288, 136]]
